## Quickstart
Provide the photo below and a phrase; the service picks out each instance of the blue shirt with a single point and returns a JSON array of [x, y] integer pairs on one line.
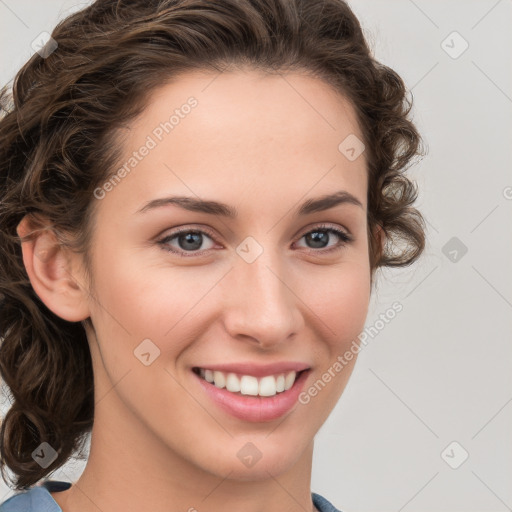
[[39, 499]]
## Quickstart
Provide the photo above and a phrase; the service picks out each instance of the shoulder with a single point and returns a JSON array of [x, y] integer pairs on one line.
[[35, 499], [320, 503]]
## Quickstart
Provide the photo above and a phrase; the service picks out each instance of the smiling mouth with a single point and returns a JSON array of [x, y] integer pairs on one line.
[[249, 385]]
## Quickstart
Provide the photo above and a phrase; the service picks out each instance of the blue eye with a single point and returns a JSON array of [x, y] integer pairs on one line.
[[321, 236], [189, 241]]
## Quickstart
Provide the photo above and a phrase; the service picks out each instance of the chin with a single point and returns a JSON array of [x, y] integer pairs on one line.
[[256, 457]]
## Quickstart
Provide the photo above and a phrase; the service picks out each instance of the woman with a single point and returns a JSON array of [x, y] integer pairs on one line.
[[264, 135]]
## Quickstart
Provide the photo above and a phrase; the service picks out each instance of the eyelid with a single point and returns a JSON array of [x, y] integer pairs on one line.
[[325, 226], [161, 240], [343, 233]]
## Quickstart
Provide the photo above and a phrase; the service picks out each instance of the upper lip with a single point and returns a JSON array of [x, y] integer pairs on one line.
[[257, 370]]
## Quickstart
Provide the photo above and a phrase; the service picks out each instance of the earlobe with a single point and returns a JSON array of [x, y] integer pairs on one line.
[[51, 269]]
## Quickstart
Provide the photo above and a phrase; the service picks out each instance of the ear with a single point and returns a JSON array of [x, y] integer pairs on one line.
[[53, 271]]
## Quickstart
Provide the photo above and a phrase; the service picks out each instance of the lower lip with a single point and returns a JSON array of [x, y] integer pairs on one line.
[[255, 408]]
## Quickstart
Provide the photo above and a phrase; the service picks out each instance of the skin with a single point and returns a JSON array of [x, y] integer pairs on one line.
[[253, 142]]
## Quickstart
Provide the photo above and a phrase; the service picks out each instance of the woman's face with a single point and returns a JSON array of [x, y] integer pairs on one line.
[[258, 293]]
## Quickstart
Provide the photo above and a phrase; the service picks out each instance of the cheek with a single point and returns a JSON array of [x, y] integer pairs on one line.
[[353, 300], [138, 299], [340, 298]]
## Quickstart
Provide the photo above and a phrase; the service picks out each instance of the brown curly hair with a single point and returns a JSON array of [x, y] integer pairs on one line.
[[57, 145]]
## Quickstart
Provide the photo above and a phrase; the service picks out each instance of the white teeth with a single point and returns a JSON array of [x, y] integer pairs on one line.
[[232, 383], [269, 385], [249, 385], [219, 379], [289, 380]]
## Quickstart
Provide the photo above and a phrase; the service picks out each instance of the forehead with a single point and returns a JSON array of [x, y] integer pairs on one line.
[[256, 103], [236, 134]]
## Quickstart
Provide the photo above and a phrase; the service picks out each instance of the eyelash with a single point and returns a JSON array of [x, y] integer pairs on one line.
[[344, 237]]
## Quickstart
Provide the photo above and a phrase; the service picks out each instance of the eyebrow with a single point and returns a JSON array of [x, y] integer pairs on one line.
[[216, 208]]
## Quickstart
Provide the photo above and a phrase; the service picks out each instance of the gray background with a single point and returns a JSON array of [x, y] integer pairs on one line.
[[437, 373]]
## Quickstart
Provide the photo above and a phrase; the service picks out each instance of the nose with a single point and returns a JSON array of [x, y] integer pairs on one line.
[[260, 303]]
